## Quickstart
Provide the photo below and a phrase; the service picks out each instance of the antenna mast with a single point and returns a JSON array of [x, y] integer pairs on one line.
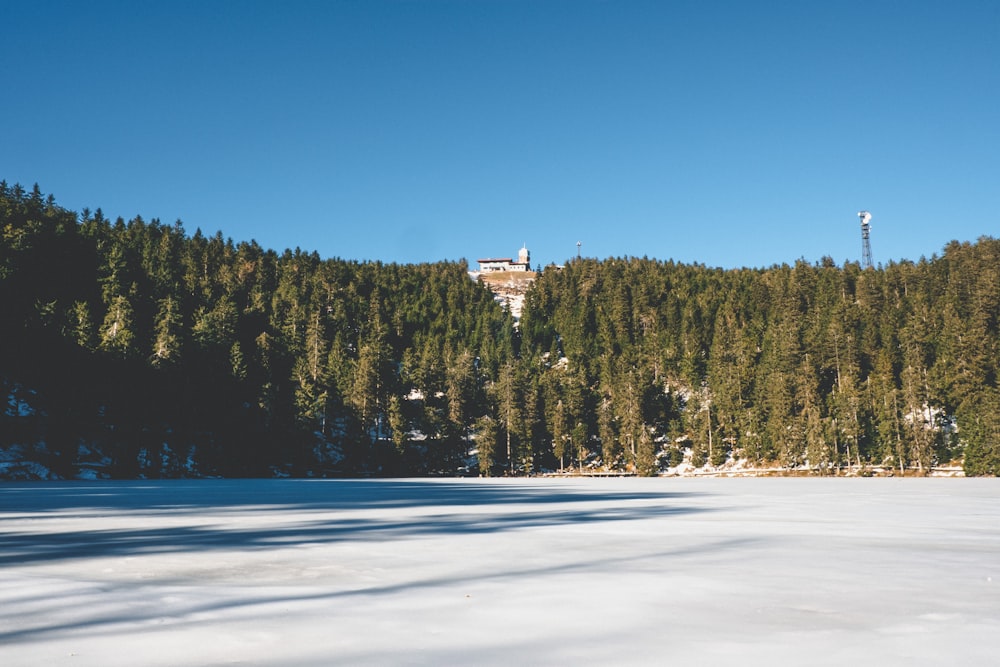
[[578, 244], [866, 246]]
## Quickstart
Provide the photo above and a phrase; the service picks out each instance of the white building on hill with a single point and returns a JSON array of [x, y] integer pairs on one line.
[[493, 265]]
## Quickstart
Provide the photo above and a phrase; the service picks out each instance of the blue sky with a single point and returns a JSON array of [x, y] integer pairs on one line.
[[726, 133]]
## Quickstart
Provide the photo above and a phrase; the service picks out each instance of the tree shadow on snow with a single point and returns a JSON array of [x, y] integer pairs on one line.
[[324, 512], [261, 604], [298, 494], [59, 523]]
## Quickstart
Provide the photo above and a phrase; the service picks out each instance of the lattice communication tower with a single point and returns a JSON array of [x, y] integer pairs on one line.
[[866, 246]]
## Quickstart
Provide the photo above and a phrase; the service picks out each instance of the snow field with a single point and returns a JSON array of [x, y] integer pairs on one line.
[[500, 572]]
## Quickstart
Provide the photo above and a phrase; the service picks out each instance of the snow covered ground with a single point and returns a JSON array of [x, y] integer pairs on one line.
[[501, 572]]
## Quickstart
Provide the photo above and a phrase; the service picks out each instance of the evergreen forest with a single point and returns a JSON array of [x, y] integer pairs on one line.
[[134, 349]]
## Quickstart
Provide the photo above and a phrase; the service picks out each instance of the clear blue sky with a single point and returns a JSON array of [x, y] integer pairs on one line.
[[742, 133]]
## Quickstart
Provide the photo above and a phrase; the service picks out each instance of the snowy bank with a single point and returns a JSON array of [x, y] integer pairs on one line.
[[500, 572]]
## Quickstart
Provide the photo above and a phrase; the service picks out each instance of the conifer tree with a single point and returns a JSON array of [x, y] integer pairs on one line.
[[117, 335]]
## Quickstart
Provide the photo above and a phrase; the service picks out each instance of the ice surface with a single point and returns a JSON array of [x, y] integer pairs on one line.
[[501, 572]]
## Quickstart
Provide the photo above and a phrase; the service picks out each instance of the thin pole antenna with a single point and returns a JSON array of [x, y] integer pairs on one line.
[[866, 246]]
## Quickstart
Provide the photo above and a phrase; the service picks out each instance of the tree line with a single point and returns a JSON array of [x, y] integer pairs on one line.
[[805, 365], [160, 353]]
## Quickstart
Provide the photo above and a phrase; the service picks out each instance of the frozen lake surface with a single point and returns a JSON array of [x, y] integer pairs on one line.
[[501, 572]]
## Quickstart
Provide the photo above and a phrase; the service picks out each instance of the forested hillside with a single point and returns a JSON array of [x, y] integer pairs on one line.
[[137, 349], [818, 366], [166, 354]]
